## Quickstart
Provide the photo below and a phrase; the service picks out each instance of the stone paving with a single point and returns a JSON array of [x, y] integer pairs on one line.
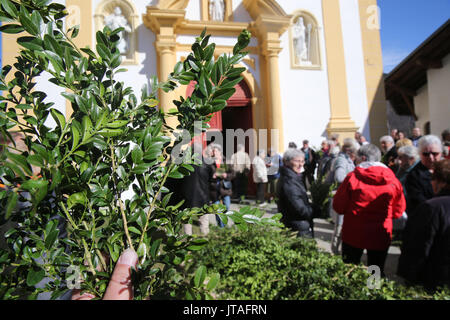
[[323, 231]]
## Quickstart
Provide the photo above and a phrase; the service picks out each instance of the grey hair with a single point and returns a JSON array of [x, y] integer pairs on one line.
[[388, 139], [409, 151], [429, 140], [371, 152], [350, 146], [216, 146], [258, 153], [290, 154]]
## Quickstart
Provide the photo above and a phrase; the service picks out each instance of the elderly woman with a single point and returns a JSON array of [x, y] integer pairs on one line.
[[340, 168], [370, 198], [292, 199], [425, 257], [418, 182]]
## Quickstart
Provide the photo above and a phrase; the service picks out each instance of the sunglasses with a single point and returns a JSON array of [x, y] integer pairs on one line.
[[427, 154]]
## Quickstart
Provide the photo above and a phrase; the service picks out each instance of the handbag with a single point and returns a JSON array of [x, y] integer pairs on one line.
[[226, 184]]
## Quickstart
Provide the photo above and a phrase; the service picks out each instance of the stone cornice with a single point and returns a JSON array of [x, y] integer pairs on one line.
[[155, 18]]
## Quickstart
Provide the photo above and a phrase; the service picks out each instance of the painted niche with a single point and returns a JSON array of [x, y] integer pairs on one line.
[[304, 41], [116, 14]]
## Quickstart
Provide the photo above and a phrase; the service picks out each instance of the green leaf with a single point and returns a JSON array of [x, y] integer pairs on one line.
[[134, 230], [200, 276], [34, 277], [11, 205], [59, 118], [75, 136], [87, 127], [202, 84], [51, 238], [31, 43], [117, 124], [223, 94], [27, 23], [10, 8], [137, 154], [36, 160], [76, 198], [230, 83], [194, 65], [212, 283], [21, 161], [155, 247], [110, 132], [11, 28]]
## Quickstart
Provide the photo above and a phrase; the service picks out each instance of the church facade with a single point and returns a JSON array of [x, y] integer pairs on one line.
[[314, 66]]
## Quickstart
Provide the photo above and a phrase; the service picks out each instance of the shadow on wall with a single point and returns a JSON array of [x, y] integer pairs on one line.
[[146, 46]]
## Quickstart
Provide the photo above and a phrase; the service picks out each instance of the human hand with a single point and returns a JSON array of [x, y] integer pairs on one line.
[[119, 287]]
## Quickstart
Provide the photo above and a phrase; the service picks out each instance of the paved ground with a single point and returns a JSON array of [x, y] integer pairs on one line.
[[323, 231]]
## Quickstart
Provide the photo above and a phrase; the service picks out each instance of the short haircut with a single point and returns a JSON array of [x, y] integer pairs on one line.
[[387, 139], [291, 154], [429, 140], [403, 142], [260, 151], [305, 141], [409, 151], [292, 145], [441, 171], [371, 152], [350, 146]]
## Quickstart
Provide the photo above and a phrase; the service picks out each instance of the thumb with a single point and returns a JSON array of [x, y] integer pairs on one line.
[[120, 287]]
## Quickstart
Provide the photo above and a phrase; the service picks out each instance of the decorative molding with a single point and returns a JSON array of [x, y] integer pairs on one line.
[[315, 48]]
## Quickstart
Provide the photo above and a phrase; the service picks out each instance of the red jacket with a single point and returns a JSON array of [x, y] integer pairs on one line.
[[370, 197]]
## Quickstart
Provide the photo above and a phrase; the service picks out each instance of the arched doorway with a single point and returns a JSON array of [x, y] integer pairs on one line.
[[236, 115]]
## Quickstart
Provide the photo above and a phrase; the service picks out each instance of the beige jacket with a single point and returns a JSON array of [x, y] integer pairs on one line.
[[259, 170], [240, 161]]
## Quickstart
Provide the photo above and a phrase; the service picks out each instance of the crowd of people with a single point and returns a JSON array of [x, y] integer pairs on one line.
[[400, 184]]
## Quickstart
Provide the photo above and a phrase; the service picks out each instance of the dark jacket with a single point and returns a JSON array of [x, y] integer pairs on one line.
[[389, 158], [193, 189], [418, 187], [292, 199], [425, 257], [216, 185]]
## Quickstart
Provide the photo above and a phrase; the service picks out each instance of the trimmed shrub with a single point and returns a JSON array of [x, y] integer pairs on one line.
[[272, 264]]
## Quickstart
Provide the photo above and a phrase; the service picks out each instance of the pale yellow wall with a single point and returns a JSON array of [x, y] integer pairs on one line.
[[373, 65], [340, 121], [80, 13], [421, 107]]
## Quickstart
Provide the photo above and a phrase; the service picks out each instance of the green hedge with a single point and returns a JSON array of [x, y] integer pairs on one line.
[[272, 264]]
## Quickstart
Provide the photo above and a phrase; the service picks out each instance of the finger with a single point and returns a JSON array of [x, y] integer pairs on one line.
[[120, 287], [85, 296]]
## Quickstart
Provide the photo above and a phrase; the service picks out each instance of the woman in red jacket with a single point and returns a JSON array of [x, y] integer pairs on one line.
[[369, 198]]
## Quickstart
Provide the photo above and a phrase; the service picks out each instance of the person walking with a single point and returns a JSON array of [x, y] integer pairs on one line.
[[241, 164], [369, 199], [260, 176], [293, 203], [425, 254]]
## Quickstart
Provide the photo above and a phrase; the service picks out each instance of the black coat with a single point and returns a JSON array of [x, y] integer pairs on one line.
[[425, 257], [193, 189], [293, 201], [418, 188]]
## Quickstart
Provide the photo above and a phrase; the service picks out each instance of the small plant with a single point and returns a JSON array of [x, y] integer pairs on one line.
[[72, 214], [321, 193]]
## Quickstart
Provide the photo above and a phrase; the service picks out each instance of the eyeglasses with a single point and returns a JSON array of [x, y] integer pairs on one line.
[[427, 154]]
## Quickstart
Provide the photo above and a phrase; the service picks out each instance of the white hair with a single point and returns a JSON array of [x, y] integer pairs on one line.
[[409, 151], [387, 139], [429, 140]]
